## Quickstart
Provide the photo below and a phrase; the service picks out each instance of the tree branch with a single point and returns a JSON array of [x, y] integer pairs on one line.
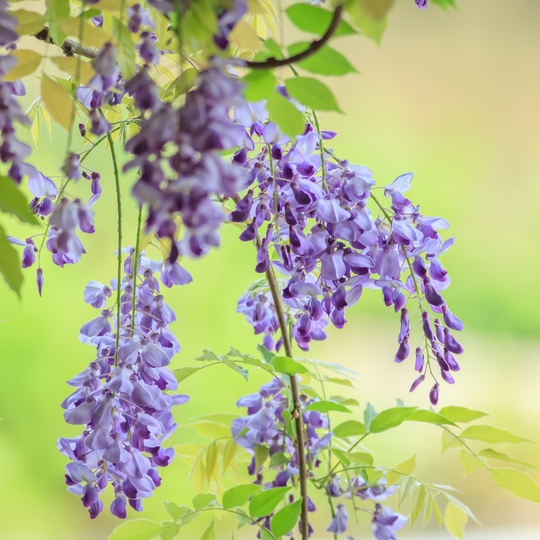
[[315, 46], [69, 47]]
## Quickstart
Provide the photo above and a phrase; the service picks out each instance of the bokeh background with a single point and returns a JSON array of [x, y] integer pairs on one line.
[[452, 96]]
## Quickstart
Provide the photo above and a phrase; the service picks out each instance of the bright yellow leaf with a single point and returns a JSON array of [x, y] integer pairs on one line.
[[454, 520], [245, 37], [27, 63], [29, 22], [69, 65], [57, 101]]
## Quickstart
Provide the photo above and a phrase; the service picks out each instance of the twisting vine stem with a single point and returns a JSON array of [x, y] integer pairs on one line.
[[119, 209], [315, 46]]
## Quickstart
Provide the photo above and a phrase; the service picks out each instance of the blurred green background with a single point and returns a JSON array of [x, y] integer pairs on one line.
[[450, 96]]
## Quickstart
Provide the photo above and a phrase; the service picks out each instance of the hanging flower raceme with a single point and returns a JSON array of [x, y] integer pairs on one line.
[[266, 425], [312, 209], [123, 397], [187, 142]]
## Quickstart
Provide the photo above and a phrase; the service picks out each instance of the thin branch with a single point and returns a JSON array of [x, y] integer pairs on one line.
[[315, 46], [69, 47]]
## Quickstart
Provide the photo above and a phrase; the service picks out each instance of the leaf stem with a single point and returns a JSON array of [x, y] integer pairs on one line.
[[135, 262]]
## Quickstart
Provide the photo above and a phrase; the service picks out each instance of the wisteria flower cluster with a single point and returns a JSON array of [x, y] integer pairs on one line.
[[312, 209], [122, 398]]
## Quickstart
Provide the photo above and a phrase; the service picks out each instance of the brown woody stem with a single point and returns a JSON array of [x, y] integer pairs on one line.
[[69, 47]]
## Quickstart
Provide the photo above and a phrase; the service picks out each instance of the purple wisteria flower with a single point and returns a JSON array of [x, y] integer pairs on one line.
[[265, 425], [123, 398], [333, 238]]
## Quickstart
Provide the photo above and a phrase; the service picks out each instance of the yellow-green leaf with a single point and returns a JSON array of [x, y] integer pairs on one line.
[[126, 50], [12, 201], [27, 63], [461, 414], [209, 533], [70, 64], [406, 485], [10, 266], [407, 467], [493, 454], [57, 101], [470, 463], [449, 440], [229, 451], [261, 455], [491, 435], [437, 513], [210, 430], [244, 37], [92, 36], [137, 529], [454, 520], [517, 483], [418, 500], [211, 459], [428, 509], [29, 22]]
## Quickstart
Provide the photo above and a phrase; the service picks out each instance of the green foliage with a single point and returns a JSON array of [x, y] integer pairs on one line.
[[493, 454], [261, 455], [421, 415], [287, 366], [326, 61], [491, 435], [10, 266], [278, 459], [470, 462], [137, 529], [418, 501], [182, 374], [360, 458], [175, 511], [370, 27], [285, 519], [55, 11], [350, 428], [445, 4], [312, 93], [171, 530], [454, 520], [315, 20], [209, 533], [264, 503], [517, 483], [182, 84], [259, 85], [327, 406], [240, 495], [203, 500], [407, 468], [461, 414], [369, 414], [390, 418], [12, 201], [288, 118], [210, 430]]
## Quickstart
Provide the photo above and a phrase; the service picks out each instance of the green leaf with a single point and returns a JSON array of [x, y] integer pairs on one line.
[[406, 485], [210, 430], [342, 382], [376, 9], [258, 85], [243, 518], [460, 505], [12, 201], [29, 22], [491, 435], [183, 373], [461, 414], [360, 458], [407, 467], [261, 455], [348, 402], [454, 520], [170, 531], [350, 428], [445, 4], [126, 50], [285, 519], [10, 266], [390, 418], [137, 529], [278, 459], [369, 414], [232, 365], [437, 513], [421, 415], [327, 406], [239, 495], [209, 533], [312, 93], [208, 356], [203, 500], [212, 454], [418, 500], [229, 451], [316, 20], [289, 425], [449, 440], [341, 455], [517, 483], [55, 11], [428, 509], [264, 503], [287, 366], [288, 118], [371, 28], [493, 454], [266, 354], [175, 511], [182, 84], [326, 61], [469, 462], [189, 517]]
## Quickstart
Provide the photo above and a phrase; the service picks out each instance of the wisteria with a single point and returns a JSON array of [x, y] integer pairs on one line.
[[122, 398], [312, 209]]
